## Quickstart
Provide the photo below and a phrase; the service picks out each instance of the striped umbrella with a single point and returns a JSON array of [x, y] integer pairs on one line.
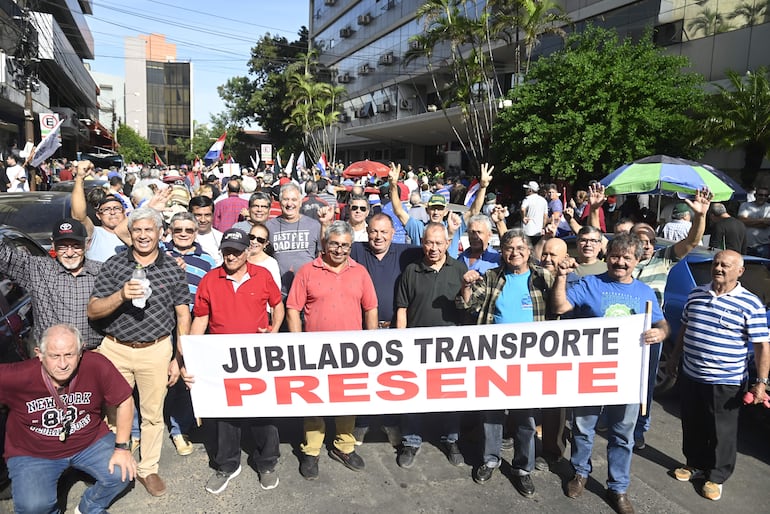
[[661, 174]]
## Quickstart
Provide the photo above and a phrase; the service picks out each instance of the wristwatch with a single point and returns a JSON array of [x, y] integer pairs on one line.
[[765, 381], [123, 446]]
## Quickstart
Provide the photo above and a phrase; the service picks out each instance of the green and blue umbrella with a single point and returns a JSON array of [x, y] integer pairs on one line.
[[661, 174]]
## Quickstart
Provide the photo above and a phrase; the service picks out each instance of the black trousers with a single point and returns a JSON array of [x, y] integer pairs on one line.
[[710, 427], [223, 443]]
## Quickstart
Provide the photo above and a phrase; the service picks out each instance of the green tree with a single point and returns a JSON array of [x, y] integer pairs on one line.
[[259, 96], [595, 105], [459, 40], [313, 109], [133, 147], [740, 118]]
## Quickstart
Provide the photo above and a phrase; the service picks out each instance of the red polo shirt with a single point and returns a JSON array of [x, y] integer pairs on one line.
[[236, 312], [332, 301]]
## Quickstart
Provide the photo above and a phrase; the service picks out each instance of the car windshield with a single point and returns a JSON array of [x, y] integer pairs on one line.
[[31, 215]]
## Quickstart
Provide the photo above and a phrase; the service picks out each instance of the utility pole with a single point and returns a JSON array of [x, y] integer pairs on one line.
[[26, 77]]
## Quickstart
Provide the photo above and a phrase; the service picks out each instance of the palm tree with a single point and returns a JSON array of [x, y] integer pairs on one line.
[[741, 118], [754, 12], [709, 22]]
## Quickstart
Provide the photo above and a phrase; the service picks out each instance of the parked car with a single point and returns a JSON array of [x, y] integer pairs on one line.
[[68, 185], [35, 213], [16, 304], [695, 270]]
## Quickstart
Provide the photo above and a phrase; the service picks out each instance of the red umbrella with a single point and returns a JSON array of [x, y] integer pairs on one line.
[[365, 168]]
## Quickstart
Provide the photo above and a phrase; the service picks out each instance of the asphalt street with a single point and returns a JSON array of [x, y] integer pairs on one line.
[[433, 485]]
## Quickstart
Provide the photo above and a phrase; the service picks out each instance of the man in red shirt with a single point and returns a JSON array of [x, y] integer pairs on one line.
[[227, 212], [55, 422], [323, 288], [233, 299]]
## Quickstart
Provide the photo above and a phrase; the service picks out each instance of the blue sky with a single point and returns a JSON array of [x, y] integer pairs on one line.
[[216, 36]]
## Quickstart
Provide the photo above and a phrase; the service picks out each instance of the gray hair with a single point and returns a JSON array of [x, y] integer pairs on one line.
[[287, 186], [311, 187], [589, 229], [718, 209], [141, 193], [259, 195], [435, 225], [623, 242], [184, 216], [145, 213], [338, 228], [481, 218], [66, 327]]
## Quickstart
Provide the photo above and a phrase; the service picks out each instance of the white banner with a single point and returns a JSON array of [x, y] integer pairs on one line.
[[267, 153], [594, 361]]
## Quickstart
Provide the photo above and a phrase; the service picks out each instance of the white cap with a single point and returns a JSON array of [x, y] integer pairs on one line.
[[532, 185]]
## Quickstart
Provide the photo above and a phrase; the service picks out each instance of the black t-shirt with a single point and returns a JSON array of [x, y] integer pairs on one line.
[[429, 295]]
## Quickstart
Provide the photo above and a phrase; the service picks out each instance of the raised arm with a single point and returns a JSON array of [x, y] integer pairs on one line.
[[395, 196], [78, 204], [700, 208], [484, 181]]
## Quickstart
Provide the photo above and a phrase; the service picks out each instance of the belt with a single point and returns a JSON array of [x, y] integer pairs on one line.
[[383, 324], [135, 344]]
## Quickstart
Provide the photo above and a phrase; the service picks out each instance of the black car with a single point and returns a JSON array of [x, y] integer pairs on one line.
[[35, 213], [15, 303]]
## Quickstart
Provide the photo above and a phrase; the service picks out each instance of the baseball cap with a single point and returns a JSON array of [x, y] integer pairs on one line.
[[681, 208], [108, 199], [235, 239], [491, 197], [437, 200], [532, 185], [69, 228]]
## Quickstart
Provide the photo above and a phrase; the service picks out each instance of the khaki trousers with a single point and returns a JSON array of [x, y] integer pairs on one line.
[[315, 430], [147, 368]]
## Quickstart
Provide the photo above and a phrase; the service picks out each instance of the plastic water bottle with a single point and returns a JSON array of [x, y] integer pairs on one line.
[[141, 275]]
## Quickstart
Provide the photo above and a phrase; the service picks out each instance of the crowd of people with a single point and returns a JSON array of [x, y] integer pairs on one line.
[[155, 256]]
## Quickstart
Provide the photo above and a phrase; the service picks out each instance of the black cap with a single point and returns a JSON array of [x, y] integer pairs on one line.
[[110, 198], [69, 228], [235, 239]]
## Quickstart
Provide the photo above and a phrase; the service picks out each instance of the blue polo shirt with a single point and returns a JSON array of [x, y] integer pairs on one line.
[[489, 259], [385, 272]]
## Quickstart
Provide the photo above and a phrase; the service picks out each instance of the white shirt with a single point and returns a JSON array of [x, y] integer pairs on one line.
[[15, 174], [535, 208], [210, 244]]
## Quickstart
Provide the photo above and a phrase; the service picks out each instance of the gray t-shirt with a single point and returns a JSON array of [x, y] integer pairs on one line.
[[295, 243]]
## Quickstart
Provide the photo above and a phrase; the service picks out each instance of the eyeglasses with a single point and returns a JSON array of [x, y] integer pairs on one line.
[[260, 240], [334, 245], [589, 241], [104, 210], [62, 247], [362, 208], [176, 230]]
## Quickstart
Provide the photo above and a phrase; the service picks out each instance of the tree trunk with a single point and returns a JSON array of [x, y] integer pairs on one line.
[[755, 153]]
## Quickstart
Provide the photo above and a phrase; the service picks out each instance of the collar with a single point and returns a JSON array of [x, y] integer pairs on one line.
[[159, 260], [737, 290], [251, 271], [197, 249]]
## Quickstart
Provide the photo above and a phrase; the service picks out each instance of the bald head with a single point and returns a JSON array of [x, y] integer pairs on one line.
[[726, 270], [554, 250]]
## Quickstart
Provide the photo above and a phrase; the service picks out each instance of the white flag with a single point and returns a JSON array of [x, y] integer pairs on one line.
[[47, 146]]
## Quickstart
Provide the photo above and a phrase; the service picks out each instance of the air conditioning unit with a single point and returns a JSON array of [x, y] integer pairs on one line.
[[346, 32], [364, 19], [343, 117], [668, 33], [386, 59], [365, 111], [390, 5], [405, 105], [415, 45], [330, 2], [384, 107], [364, 69], [343, 78]]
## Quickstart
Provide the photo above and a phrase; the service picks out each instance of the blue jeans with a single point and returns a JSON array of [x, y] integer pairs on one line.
[[179, 408], [620, 442], [522, 424], [643, 422], [410, 428], [33, 480]]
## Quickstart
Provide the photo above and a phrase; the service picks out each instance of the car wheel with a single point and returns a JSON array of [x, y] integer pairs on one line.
[[664, 384]]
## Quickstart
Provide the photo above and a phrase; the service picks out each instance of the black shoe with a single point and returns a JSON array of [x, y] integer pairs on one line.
[[350, 460], [483, 474], [576, 486], [523, 484], [359, 433], [453, 454], [620, 502], [308, 467], [640, 444], [406, 455]]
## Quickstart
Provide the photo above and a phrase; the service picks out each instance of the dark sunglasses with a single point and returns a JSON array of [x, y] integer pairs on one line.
[[185, 230], [261, 240], [363, 208]]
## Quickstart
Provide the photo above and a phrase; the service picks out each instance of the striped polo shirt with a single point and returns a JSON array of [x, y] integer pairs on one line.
[[720, 331]]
